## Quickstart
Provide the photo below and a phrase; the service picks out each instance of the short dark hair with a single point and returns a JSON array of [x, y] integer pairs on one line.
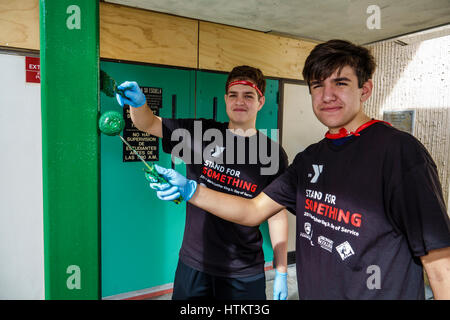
[[334, 55], [252, 74]]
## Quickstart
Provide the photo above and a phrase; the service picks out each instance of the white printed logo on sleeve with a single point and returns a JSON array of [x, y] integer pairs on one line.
[[345, 250]]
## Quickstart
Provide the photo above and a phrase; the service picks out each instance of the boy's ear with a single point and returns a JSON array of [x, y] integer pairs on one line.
[[262, 100], [367, 88]]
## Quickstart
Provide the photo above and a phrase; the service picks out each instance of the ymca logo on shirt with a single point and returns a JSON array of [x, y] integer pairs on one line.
[[217, 151], [317, 171]]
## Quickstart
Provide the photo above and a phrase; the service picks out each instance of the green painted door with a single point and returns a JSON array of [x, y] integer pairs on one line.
[[210, 102], [141, 235]]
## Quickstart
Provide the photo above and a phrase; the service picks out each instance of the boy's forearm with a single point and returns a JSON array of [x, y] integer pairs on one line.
[[228, 207], [437, 266], [278, 230], [142, 117]]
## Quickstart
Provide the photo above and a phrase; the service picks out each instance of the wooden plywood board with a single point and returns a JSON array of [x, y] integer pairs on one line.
[[144, 36], [19, 24], [223, 47], [149, 37]]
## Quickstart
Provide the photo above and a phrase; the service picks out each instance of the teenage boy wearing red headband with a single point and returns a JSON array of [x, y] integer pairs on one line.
[[369, 206], [219, 259]]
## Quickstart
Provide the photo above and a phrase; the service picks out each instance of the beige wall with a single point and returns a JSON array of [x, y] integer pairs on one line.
[[300, 129], [417, 77]]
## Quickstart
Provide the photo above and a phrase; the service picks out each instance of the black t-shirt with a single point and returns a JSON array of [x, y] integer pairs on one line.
[[225, 162], [365, 211]]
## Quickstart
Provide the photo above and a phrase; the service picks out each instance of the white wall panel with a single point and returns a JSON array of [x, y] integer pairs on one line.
[[21, 212], [417, 77]]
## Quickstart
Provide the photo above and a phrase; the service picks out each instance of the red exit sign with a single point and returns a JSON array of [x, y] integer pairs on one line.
[[33, 69]]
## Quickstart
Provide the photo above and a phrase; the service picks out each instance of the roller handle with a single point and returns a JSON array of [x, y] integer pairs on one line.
[[153, 176]]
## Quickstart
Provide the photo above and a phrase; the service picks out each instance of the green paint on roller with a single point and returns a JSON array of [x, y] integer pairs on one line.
[[111, 123], [153, 176], [108, 85]]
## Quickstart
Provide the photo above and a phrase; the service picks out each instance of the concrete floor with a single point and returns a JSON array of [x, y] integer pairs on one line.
[[292, 285]]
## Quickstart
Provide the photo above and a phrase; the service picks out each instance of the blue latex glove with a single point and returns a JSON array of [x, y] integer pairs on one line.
[[132, 95], [280, 288], [177, 185]]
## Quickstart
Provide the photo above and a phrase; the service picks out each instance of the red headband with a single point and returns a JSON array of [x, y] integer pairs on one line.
[[246, 83]]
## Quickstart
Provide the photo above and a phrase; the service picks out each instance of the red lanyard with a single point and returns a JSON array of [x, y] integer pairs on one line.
[[344, 133]]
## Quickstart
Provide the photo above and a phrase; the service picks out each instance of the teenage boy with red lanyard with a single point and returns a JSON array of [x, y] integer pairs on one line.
[[368, 202], [219, 259]]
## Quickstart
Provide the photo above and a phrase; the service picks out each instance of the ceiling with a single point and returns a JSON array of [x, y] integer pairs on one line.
[[318, 20]]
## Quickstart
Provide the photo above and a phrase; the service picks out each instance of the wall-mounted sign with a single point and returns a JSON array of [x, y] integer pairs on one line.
[[33, 69], [145, 144], [402, 120]]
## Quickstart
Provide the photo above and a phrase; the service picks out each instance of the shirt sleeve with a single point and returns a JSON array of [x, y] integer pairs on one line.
[[416, 202], [283, 189]]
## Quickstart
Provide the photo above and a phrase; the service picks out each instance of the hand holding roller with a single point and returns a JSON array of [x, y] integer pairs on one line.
[[132, 95], [111, 123]]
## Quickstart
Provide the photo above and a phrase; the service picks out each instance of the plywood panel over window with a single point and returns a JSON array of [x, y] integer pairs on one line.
[[19, 24], [223, 47], [144, 36]]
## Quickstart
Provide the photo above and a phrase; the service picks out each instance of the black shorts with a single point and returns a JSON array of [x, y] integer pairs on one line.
[[191, 284]]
